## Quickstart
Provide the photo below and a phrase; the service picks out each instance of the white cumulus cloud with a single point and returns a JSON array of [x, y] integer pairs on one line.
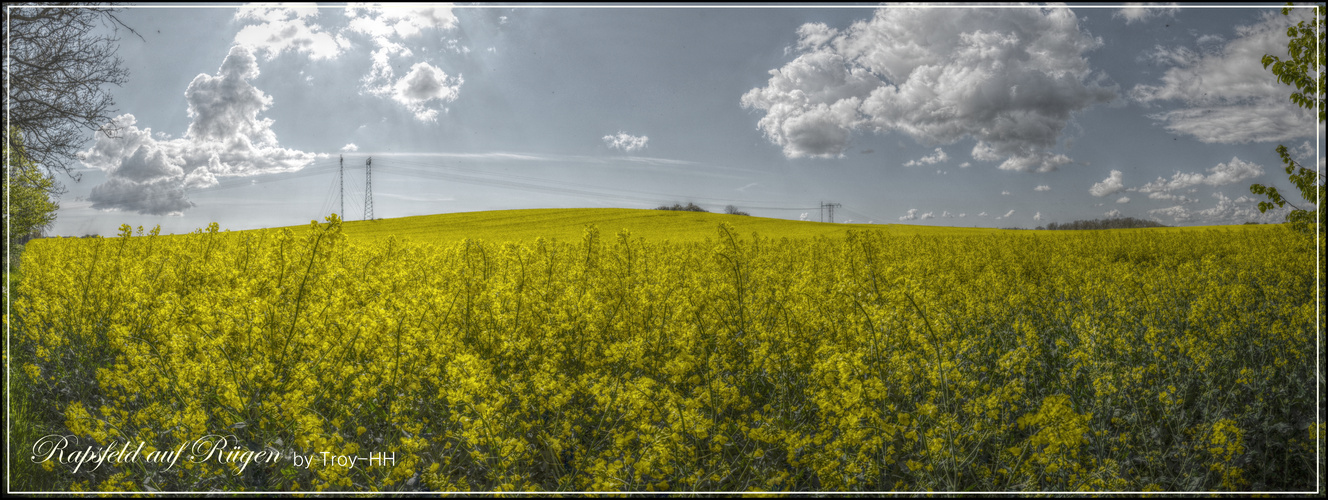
[[283, 28], [1009, 78], [424, 89], [1226, 96], [1180, 198], [1222, 174], [1008, 214], [148, 173], [1123, 199], [934, 158], [1232, 172], [625, 142], [1140, 12], [1042, 187], [1226, 211], [350, 148], [1112, 214], [389, 27], [147, 163], [399, 20], [1112, 184], [911, 215]]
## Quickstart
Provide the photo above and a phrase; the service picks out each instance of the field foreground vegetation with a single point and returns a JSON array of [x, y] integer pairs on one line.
[[1133, 360]]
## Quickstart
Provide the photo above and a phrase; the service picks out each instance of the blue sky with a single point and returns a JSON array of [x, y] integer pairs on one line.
[[988, 117]]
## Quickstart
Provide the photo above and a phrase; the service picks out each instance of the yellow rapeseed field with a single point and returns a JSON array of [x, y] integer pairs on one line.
[[611, 359], [524, 226]]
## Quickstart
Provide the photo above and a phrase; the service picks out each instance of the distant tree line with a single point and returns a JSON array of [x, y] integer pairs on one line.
[[691, 207], [1114, 223]]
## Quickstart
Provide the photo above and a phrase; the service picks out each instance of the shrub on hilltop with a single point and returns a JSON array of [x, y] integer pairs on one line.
[[691, 207]]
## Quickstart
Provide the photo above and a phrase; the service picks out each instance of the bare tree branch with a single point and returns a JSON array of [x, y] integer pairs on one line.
[[56, 71]]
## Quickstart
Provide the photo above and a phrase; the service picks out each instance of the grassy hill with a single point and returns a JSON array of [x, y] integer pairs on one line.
[[569, 223]]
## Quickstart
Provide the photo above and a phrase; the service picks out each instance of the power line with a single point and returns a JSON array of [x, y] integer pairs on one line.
[[341, 174], [316, 168], [530, 183], [329, 200], [869, 218], [454, 173]]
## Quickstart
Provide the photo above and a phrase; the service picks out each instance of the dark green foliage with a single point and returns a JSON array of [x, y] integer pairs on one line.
[[28, 198], [1306, 181], [1297, 72]]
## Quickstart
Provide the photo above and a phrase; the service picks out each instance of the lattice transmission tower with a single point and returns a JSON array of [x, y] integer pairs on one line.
[[368, 189], [830, 209]]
